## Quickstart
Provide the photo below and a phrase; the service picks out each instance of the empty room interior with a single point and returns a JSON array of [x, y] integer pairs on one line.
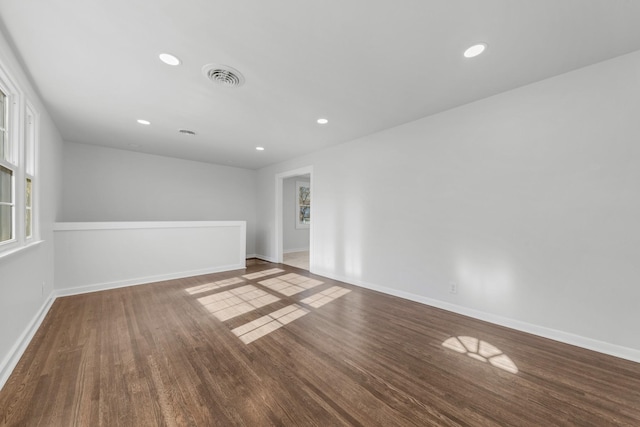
[[363, 213]]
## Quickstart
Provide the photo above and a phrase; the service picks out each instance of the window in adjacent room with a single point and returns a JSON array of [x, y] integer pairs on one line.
[[303, 204]]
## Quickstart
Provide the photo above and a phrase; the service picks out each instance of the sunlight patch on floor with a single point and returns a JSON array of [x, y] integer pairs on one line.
[[324, 297], [214, 285], [263, 273], [264, 325], [481, 351], [290, 284], [229, 304]]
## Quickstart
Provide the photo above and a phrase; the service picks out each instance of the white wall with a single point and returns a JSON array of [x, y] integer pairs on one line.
[[117, 254], [293, 239], [26, 278], [105, 184], [528, 200]]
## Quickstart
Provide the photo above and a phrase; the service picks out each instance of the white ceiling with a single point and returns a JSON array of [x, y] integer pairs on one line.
[[366, 65]]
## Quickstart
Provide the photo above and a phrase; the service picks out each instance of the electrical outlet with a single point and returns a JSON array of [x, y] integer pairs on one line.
[[453, 288]]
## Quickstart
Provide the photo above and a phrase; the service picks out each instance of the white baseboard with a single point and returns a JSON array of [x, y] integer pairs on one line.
[[542, 331], [144, 280], [13, 357], [265, 258], [289, 251]]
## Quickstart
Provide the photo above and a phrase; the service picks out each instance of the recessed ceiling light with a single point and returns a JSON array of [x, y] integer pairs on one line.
[[144, 122], [322, 121], [475, 50], [260, 148], [169, 59]]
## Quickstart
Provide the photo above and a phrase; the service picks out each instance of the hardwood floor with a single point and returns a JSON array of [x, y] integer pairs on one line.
[[297, 259], [275, 345]]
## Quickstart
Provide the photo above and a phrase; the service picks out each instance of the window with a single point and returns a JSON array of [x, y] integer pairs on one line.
[[4, 140], [7, 173], [28, 209], [29, 166], [303, 204], [6, 204], [18, 177]]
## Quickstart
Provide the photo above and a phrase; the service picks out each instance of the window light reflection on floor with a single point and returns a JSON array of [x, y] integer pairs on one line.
[[215, 285], [264, 325], [321, 298], [290, 284], [229, 304], [482, 351], [263, 273]]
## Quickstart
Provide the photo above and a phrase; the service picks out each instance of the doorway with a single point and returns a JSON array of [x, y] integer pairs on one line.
[[294, 226]]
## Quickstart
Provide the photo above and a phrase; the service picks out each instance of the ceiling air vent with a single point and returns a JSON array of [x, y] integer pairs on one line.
[[223, 75], [186, 132]]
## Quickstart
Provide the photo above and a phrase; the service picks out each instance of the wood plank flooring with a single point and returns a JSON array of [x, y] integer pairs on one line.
[[275, 345], [297, 259]]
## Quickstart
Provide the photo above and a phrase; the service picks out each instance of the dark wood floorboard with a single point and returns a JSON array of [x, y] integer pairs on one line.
[[162, 354]]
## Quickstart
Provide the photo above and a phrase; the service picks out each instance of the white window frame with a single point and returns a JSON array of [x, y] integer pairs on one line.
[[18, 108], [11, 204], [299, 223], [30, 150]]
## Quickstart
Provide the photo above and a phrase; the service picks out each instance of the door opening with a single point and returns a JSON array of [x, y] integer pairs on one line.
[[294, 218]]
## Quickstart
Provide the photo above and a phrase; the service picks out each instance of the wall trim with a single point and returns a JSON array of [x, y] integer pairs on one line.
[[15, 353], [542, 331], [95, 287], [266, 258], [128, 225], [206, 250]]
